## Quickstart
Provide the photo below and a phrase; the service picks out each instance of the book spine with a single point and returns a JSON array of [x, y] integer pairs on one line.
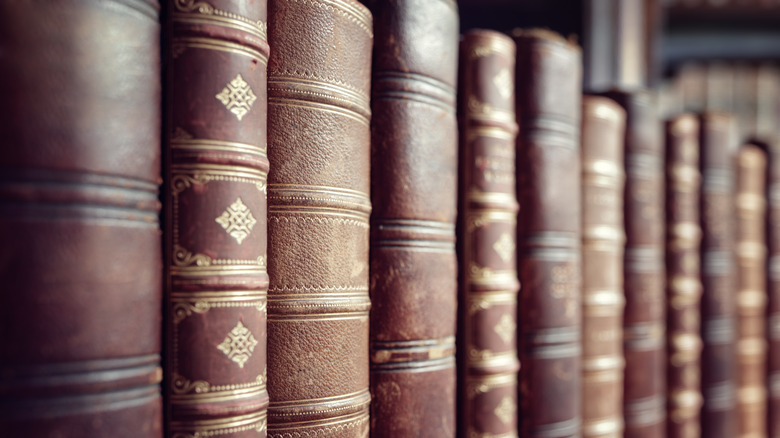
[[487, 235], [216, 171], [644, 273], [683, 276], [80, 249], [549, 239], [414, 192], [319, 75], [773, 289], [751, 291], [603, 237], [718, 305]]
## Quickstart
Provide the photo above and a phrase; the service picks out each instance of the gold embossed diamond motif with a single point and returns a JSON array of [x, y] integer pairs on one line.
[[237, 96], [506, 410], [238, 345], [506, 327], [503, 83], [504, 246], [237, 220]]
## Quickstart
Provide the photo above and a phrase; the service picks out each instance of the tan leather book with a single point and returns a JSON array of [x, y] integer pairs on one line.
[[319, 76], [718, 304], [644, 277], [683, 277], [216, 170], [487, 227], [603, 238], [80, 252], [751, 252], [549, 233], [414, 193]]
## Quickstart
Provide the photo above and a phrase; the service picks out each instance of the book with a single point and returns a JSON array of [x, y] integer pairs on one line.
[[487, 227], [603, 238], [216, 172], [549, 236], [414, 147], [751, 249], [80, 249], [683, 277], [644, 276], [773, 287], [319, 76], [718, 303]]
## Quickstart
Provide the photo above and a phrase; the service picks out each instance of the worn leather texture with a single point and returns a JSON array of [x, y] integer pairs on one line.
[[487, 240], [773, 287], [644, 325], [718, 305], [683, 277], [603, 237], [80, 249], [216, 173], [548, 108], [414, 149], [319, 76], [751, 297]]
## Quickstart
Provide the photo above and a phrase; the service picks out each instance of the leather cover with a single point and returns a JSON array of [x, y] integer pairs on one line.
[[751, 291], [319, 76], [487, 348], [683, 277], [414, 193], [216, 172], [603, 237], [80, 250], [773, 288], [718, 304], [644, 390], [549, 239]]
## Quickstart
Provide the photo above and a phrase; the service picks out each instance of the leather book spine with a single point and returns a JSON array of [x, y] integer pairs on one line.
[[773, 288], [319, 76], [487, 239], [603, 238], [549, 233], [718, 304], [216, 171], [751, 297], [644, 270], [414, 193], [683, 277], [80, 249]]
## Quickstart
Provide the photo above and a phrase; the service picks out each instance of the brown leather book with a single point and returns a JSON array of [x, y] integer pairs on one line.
[[603, 237], [644, 277], [319, 76], [683, 277], [414, 193], [751, 291], [549, 238], [718, 304], [80, 250], [216, 170], [773, 288], [488, 286]]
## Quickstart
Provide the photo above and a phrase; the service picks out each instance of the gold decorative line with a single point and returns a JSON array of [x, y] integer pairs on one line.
[[183, 275], [489, 131], [476, 385], [221, 426], [358, 15], [606, 168], [297, 103], [182, 309], [297, 404], [304, 210], [480, 218], [218, 295], [491, 358], [219, 170], [312, 429], [202, 12], [202, 144], [258, 30], [484, 111], [344, 219], [476, 195], [180, 44], [309, 77], [185, 391], [324, 190], [345, 290], [362, 314], [183, 258], [485, 300]]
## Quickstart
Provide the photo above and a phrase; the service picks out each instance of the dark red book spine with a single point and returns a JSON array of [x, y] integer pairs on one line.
[[80, 251], [216, 173]]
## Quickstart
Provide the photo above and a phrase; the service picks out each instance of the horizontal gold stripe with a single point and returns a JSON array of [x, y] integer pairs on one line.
[[221, 425], [220, 45], [333, 109], [200, 144], [256, 28]]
